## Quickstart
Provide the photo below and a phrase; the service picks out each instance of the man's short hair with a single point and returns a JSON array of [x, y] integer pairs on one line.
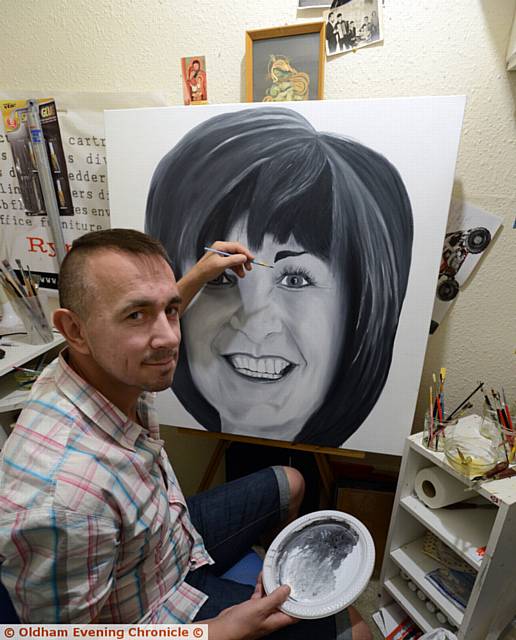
[[74, 284]]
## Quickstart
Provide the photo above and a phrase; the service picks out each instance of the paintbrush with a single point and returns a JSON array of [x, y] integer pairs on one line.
[[480, 385], [430, 420], [24, 277], [11, 278], [507, 412], [467, 406], [225, 253]]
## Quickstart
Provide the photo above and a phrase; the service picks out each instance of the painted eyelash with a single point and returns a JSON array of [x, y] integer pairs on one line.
[[225, 274], [297, 271]]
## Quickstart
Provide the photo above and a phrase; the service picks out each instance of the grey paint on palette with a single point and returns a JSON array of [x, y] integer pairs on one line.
[[309, 559], [300, 352]]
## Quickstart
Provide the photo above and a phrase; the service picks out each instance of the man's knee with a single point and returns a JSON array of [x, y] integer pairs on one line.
[[296, 485]]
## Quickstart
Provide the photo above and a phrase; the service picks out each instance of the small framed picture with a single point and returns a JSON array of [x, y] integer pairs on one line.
[[285, 63], [195, 90]]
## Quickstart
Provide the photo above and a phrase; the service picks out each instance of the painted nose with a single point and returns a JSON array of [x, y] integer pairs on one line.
[[257, 317]]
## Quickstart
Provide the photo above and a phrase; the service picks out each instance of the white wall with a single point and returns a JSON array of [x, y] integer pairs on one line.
[[431, 48]]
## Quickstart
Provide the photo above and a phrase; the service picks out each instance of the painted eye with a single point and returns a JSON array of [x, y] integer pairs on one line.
[[224, 280], [295, 281]]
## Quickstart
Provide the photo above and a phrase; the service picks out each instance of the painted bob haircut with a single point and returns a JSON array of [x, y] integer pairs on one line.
[[340, 200]]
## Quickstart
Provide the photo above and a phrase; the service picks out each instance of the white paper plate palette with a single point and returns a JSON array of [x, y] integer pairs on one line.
[[327, 559]]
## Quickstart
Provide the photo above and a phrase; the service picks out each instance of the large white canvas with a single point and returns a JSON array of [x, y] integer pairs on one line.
[[419, 136]]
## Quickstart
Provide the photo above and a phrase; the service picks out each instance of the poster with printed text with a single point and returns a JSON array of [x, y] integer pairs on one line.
[[26, 236]]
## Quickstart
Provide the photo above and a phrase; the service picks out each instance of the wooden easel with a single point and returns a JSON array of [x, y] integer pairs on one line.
[[321, 454]]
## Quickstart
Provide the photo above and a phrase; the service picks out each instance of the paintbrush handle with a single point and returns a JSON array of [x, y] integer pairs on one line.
[[464, 401]]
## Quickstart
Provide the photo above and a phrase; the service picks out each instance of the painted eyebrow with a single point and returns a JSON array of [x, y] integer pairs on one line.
[[287, 254], [145, 302]]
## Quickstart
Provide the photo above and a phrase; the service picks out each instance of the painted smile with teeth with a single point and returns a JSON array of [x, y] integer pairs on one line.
[[263, 369]]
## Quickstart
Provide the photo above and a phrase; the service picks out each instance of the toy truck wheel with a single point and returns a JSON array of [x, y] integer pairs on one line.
[[447, 289], [478, 239]]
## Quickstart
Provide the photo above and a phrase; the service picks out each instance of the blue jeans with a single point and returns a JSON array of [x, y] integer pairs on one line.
[[231, 518]]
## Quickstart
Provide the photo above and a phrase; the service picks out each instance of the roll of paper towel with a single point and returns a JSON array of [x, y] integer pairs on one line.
[[436, 488]]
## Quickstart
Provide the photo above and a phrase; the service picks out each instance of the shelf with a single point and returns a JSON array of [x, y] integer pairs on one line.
[[14, 401], [496, 491], [416, 609], [18, 355], [493, 598], [464, 530], [417, 564], [12, 396]]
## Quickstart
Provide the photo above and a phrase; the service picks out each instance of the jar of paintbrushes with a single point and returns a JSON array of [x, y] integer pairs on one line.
[[497, 425], [22, 292], [435, 430], [438, 422]]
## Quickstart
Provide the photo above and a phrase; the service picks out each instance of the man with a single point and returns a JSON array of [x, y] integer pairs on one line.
[[365, 30], [341, 31], [331, 33], [352, 34], [93, 524]]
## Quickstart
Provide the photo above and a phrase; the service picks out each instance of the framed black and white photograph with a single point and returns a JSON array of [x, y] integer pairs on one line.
[[285, 64], [352, 25]]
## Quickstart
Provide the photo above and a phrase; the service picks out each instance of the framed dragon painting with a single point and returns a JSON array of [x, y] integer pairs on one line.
[[285, 64]]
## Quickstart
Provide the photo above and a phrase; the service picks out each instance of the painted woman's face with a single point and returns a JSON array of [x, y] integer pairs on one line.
[[263, 349]]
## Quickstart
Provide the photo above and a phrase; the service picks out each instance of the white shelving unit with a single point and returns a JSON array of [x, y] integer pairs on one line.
[[485, 537], [12, 397]]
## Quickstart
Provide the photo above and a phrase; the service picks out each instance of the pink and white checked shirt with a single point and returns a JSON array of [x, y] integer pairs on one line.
[[93, 524]]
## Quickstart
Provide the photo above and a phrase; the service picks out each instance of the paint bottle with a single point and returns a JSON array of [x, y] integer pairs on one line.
[[421, 595], [412, 586]]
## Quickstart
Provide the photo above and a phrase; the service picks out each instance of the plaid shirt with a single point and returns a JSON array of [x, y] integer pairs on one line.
[[93, 524]]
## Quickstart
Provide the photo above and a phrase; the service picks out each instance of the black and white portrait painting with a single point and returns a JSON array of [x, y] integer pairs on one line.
[[327, 346]]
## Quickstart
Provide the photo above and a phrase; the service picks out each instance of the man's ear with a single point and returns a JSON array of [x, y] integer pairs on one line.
[[70, 325]]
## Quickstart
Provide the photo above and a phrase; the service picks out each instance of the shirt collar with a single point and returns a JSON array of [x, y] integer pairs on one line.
[[104, 413]]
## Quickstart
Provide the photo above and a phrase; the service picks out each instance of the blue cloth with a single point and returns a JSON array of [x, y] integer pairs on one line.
[[231, 518], [246, 570]]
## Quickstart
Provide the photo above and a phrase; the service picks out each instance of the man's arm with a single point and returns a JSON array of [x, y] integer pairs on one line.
[[58, 565], [212, 265]]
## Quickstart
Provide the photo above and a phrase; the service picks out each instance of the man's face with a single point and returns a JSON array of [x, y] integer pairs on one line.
[[132, 327], [331, 18]]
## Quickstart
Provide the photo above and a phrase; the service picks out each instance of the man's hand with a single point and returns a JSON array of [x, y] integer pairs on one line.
[[254, 618], [211, 266]]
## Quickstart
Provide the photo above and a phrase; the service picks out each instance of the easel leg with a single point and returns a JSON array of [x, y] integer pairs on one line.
[[325, 472], [213, 465]]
